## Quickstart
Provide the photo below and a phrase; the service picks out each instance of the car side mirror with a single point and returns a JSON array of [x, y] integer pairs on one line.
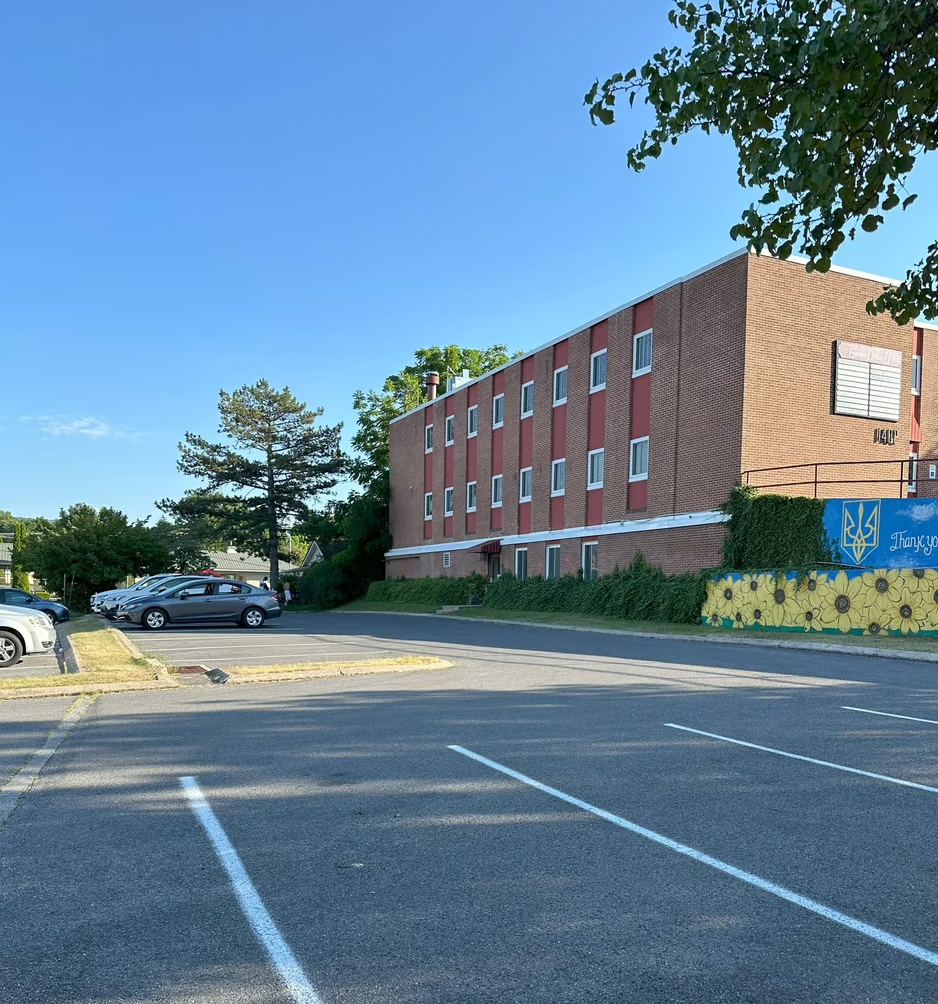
[[31, 599], [184, 596]]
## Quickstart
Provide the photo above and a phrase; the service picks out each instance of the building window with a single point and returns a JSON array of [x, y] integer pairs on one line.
[[916, 374], [496, 491], [591, 560], [447, 501], [428, 439], [525, 481], [495, 566], [558, 476], [450, 435], [641, 353], [594, 467], [553, 561], [472, 420], [428, 505], [447, 561], [560, 385], [598, 370], [498, 410], [867, 381], [638, 460], [521, 563], [527, 399], [471, 497]]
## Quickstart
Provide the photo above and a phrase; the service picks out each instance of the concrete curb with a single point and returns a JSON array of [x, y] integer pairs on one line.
[[316, 674], [73, 663], [76, 690], [803, 646], [159, 669]]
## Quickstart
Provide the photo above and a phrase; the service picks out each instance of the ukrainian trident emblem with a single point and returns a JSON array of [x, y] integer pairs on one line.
[[860, 529]]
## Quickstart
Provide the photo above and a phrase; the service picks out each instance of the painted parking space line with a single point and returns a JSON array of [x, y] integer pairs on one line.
[[17, 786], [806, 759], [828, 913], [886, 714], [284, 962]]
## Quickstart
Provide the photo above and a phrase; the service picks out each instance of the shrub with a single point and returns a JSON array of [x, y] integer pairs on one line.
[[324, 585], [441, 591]]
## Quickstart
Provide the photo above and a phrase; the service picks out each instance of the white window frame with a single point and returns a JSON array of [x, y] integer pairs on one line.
[[449, 430], [632, 475], [649, 334], [530, 472], [474, 495], [589, 456], [557, 372], [499, 399], [551, 547], [447, 501], [554, 464], [916, 375], [598, 386], [583, 566], [498, 478], [520, 551], [428, 438], [428, 505], [472, 419], [530, 411]]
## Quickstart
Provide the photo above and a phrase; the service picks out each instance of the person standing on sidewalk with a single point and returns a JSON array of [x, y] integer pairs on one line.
[[287, 595]]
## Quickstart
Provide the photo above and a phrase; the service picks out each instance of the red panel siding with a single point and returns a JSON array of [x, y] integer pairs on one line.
[[448, 467], [498, 383], [641, 405], [594, 507], [497, 518], [497, 452], [561, 354], [527, 369], [597, 420], [638, 493], [558, 438], [428, 471], [472, 446], [470, 522], [644, 315], [448, 526], [556, 512], [599, 337], [527, 440], [524, 517], [473, 394]]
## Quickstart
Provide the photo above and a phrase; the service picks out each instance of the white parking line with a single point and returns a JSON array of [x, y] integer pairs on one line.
[[22, 781], [886, 714], [806, 759], [861, 927], [262, 924]]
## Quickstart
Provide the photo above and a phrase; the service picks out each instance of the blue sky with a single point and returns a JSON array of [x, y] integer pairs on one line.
[[196, 195]]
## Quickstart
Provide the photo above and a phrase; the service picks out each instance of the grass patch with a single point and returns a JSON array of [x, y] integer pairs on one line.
[[298, 667], [104, 658]]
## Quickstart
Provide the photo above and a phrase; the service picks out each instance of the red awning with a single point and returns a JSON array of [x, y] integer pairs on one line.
[[488, 547]]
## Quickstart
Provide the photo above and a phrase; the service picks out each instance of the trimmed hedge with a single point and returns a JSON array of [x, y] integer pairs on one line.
[[639, 592]]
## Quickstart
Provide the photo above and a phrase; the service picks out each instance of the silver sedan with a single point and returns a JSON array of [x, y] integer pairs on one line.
[[209, 601]]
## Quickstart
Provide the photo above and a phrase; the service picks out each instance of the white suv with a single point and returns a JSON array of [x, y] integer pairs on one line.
[[23, 632]]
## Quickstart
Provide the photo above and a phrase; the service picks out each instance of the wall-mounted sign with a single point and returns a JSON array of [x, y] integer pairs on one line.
[[885, 436], [884, 533], [931, 471], [867, 381]]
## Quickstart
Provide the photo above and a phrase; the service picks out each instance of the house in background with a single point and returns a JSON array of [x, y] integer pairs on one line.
[[235, 564], [6, 558]]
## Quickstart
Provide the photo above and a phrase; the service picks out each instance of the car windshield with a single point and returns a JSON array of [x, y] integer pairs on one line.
[[150, 580]]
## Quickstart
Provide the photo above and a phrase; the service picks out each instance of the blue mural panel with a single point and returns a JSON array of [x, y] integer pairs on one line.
[[884, 533]]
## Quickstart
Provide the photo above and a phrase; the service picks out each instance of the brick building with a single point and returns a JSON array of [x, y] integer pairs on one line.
[[627, 434]]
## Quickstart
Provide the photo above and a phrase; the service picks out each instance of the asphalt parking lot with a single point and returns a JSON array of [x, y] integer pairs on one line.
[[40, 664], [559, 817]]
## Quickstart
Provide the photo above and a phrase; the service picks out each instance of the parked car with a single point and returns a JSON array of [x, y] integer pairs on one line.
[[212, 602], [110, 606], [20, 598], [23, 632], [144, 585]]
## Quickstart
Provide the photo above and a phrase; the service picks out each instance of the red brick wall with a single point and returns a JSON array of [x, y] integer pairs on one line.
[[574, 502]]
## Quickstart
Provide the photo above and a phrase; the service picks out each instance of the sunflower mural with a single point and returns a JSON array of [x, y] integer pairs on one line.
[[849, 601]]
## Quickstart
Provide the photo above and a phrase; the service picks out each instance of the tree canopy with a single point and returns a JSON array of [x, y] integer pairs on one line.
[[86, 550], [277, 459], [829, 104]]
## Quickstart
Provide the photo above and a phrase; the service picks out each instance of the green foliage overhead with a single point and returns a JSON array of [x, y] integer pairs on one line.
[[639, 592], [86, 550], [769, 532], [275, 461], [19, 576], [829, 103]]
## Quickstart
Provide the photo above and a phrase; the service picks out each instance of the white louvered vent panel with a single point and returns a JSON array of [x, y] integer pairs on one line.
[[852, 388], [885, 392]]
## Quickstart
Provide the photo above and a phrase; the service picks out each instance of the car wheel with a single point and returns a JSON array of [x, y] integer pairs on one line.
[[51, 615], [153, 620], [11, 649], [253, 617]]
